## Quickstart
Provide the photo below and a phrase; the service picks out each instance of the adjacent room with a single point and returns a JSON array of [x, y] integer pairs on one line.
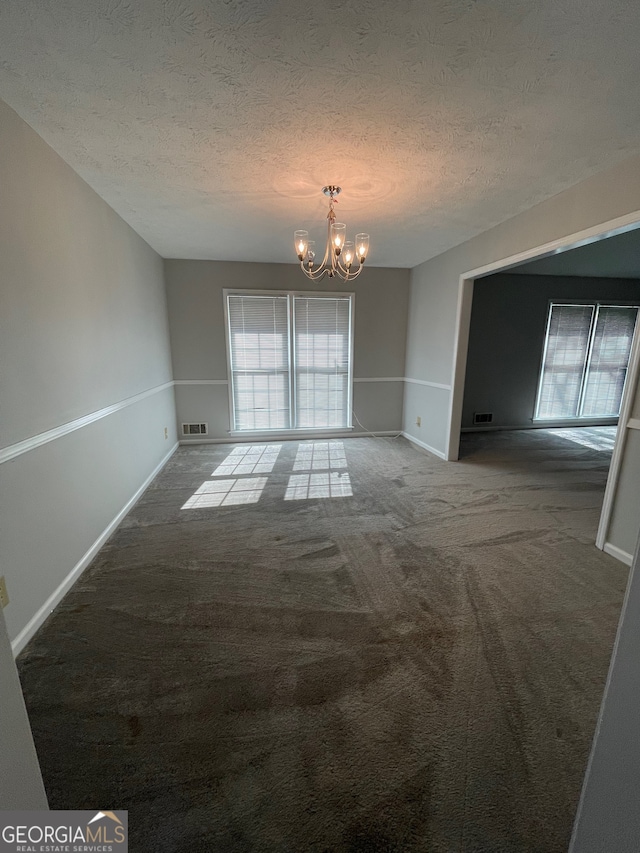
[[293, 561]]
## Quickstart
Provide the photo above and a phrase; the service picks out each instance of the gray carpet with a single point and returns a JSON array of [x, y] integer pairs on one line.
[[415, 667]]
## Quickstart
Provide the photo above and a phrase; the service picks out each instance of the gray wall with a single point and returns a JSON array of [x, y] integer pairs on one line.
[[83, 327], [20, 778], [506, 339], [196, 318]]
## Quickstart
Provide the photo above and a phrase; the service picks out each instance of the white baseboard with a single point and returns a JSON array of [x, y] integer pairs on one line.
[[305, 436], [492, 428], [54, 599], [413, 440], [376, 433], [618, 553], [573, 424]]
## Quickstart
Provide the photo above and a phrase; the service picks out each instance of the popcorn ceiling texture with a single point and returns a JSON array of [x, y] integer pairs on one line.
[[211, 126]]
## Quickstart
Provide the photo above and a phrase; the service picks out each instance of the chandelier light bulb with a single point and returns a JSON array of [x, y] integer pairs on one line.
[[340, 253], [348, 252], [362, 246], [311, 252], [301, 241], [338, 234]]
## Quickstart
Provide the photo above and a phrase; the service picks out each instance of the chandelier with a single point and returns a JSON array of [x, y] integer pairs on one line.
[[340, 254]]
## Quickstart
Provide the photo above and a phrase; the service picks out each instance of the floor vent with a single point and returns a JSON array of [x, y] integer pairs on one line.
[[482, 417], [195, 429]]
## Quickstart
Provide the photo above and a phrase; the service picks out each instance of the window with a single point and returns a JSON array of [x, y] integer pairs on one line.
[[289, 360], [585, 360]]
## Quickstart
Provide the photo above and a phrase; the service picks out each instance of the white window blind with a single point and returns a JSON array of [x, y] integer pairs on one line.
[[322, 348], [259, 355], [290, 361], [608, 361], [585, 361], [564, 361]]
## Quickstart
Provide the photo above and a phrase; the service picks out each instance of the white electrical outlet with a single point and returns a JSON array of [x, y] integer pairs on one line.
[[4, 595], [166, 432], [418, 421]]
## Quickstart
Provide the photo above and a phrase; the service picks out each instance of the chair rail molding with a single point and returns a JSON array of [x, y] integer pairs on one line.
[[20, 447]]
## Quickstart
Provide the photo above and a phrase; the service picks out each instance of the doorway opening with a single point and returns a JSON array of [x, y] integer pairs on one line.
[[606, 251]]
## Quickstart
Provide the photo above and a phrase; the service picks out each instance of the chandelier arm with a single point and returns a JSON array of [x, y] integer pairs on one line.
[[314, 275], [330, 219], [321, 268], [342, 267], [349, 274], [327, 247], [342, 273]]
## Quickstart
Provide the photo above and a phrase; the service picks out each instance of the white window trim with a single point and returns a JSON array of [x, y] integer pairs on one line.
[[290, 294]]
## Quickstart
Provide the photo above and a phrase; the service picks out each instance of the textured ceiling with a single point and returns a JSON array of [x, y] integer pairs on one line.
[[211, 126]]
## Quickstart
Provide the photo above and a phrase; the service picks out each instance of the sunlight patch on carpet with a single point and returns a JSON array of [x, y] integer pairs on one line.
[[329, 484], [596, 438], [320, 455], [249, 459], [227, 493]]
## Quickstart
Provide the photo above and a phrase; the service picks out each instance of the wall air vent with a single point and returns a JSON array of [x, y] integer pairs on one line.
[[482, 417], [195, 429]]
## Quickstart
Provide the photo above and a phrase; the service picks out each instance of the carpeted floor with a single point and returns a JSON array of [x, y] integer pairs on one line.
[[282, 666]]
